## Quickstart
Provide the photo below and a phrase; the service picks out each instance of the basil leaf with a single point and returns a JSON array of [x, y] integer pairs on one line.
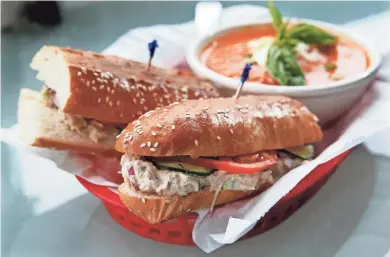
[[277, 20], [311, 34], [282, 31], [283, 66], [330, 66]]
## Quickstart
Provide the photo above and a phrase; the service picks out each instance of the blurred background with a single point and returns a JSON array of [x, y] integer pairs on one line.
[[26, 26]]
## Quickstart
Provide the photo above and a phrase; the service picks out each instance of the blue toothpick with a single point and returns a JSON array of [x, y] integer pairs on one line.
[[152, 48], [244, 77]]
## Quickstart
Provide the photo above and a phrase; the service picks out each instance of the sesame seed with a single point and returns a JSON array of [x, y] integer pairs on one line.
[[165, 110], [94, 88], [139, 113], [168, 201], [93, 82], [142, 145], [88, 83], [152, 149], [196, 142], [131, 137], [112, 92], [159, 125], [231, 131], [96, 74], [140, 133], [108, 89], [134, 100], [101, 87], [118, 103], [99, 100], [121, 115], [83, 69], [149, 144], [137, 95], [218, 138], [154, 133], [145, 108], [143, 200], [155, 145], [107, 99], [78, 73], [188, 210], [196, 94], [173, 127], [110, 103]]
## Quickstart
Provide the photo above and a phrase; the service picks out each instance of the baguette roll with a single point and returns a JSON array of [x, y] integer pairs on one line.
[[109, 88]]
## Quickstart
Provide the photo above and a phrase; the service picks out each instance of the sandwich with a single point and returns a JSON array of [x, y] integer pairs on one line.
[[204, 153], [41, 124], [88, 98]]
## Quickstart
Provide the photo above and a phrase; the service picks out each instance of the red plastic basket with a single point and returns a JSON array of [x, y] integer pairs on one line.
[[179, 231]]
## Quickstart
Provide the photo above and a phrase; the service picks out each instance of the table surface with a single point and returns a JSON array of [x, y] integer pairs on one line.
[[349, 217]]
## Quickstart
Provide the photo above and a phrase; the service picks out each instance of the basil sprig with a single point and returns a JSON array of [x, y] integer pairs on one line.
[[282, 63]]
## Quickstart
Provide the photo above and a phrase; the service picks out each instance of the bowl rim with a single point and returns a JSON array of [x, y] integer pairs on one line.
[[193, 60]]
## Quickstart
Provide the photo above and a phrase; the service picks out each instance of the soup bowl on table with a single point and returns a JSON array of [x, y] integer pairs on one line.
[[327, 73]]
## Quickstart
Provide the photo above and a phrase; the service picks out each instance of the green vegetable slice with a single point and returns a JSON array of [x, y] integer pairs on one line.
[[305, 152], [184, 167]]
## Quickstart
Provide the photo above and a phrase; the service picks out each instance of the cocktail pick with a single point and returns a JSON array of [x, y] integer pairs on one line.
[[244, 77], [152, 48]]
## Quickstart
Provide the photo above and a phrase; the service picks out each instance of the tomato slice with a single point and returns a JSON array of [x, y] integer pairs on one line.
[[254, 163]]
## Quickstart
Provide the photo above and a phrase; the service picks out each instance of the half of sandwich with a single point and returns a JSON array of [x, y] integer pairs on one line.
[[201, 153], [111, 89], [42, 124]]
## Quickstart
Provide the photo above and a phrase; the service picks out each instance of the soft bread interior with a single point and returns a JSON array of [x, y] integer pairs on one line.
[[54, 72], [42, 126]]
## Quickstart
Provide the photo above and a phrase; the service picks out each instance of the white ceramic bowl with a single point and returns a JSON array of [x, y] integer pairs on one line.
[[328, 101]]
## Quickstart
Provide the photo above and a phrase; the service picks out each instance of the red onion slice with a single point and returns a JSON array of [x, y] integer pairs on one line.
[[131, 173]]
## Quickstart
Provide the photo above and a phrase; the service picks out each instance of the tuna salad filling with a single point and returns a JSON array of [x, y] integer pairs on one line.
[[94, 130], [151, 175]]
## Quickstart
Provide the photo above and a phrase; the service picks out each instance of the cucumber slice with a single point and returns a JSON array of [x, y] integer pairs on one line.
[[304, 152], [185, 167]]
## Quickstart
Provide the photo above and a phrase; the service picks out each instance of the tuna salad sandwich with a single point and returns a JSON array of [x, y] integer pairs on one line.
[[203, 153], [89, 97]]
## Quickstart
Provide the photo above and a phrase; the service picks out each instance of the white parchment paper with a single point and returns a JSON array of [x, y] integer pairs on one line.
[[370, 116]]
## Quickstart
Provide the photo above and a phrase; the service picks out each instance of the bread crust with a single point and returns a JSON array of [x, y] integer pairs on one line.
[[221, 127], [46, 127], [112, 89], [156, 209]]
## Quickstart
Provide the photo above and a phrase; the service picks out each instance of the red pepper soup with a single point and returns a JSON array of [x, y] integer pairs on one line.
[[228, 53]]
